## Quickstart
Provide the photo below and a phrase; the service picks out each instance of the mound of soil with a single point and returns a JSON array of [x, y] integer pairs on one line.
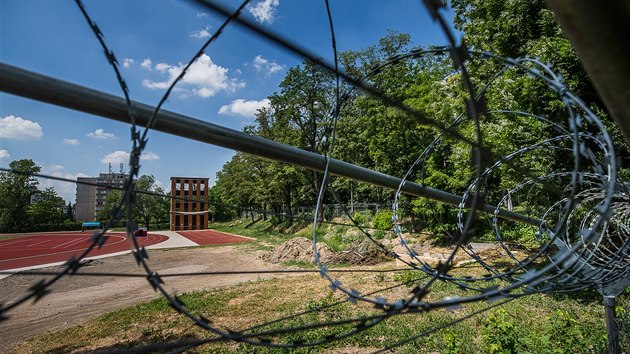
[[298, 249], [301, 249], [364, 253]]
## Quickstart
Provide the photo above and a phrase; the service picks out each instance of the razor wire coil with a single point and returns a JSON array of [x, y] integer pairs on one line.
[[582, 236]]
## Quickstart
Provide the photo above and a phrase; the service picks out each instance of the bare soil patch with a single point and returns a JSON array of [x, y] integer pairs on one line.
[[301, 249], [298, 249], [75, 299]]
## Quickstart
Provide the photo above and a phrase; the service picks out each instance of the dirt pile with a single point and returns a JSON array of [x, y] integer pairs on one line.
[[298, 249], [301, 249], [364, 253]]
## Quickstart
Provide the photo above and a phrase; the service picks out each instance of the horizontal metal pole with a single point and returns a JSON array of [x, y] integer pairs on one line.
[[42, 88]]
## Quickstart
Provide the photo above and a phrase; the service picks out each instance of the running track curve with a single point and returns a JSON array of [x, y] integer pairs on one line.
[[212, 237], [28, 250]]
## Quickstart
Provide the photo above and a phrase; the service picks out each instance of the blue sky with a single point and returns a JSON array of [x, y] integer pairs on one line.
[[152, 40]]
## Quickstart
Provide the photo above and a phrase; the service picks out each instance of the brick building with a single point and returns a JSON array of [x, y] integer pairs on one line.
[[189, 205]]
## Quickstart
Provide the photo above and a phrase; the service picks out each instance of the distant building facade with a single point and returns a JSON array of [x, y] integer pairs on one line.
[[90, 198], [189, 203]]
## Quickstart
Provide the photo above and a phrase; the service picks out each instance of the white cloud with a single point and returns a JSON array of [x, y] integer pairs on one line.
[[100, 134], [202, 34], [269, 67], [162, 67], [244, 108], [148, 156], [127, 62], [116, 157], [159, 184], [146, 64], [201, 14], [12, 127], [259, 62], [120, 156], [72, 141], [264, 11], [66, 190], [204, 76], [4, 154]]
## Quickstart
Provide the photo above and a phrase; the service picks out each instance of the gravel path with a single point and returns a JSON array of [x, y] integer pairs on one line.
[[76, 299]]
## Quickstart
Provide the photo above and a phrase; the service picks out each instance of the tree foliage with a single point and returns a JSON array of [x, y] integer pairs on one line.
[[151, 205], [372, 134], [23, 207]]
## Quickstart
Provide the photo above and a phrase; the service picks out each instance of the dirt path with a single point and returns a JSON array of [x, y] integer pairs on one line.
[[76, 299]]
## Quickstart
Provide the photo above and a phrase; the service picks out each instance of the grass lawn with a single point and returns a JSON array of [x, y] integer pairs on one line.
[[303, 309], [8, 237]]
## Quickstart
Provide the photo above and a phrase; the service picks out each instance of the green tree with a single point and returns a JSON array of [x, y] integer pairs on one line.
[[218, 210], [302, 111], [150, 208], [528, 28], [69, 212], [237, 183], [16, 190], [111, 201], [46, 211], [151, 204]]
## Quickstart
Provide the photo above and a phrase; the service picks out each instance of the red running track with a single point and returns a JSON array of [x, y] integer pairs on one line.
[[43, 248], [212, 237]]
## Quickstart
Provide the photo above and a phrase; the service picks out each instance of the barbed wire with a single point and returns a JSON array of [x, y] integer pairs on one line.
[[582, 234]]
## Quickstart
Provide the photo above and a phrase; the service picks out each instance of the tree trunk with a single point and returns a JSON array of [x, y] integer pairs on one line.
[[264, 210], [287, 199]]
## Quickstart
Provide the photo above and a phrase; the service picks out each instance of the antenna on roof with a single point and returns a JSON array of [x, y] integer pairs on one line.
[[122, 167], [110, 167]]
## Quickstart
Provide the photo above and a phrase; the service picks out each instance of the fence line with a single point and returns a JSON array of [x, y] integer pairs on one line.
[[43, 88]]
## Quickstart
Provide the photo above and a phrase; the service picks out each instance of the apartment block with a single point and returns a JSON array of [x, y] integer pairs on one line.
[[90, 198]]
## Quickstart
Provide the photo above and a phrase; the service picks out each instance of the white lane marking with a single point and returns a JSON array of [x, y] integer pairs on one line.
[[12, 242], [38, 243]]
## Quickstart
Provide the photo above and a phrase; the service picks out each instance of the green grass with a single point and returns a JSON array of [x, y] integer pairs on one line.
[[299, 264], [267, 236], [572, 323], [532, 324], [8, 237]]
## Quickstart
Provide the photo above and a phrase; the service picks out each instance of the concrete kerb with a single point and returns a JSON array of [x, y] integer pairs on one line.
[[175, 240]]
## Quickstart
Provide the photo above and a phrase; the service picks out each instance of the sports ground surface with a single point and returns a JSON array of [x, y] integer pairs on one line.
[[37, 249]]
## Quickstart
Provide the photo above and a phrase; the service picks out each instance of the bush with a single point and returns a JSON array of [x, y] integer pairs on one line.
[[499, 333], [383, 220], [361, 218], [275, 220], [329, 214], [623, 321]]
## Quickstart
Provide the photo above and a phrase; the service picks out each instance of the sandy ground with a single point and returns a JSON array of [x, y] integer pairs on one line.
[[76, 299]]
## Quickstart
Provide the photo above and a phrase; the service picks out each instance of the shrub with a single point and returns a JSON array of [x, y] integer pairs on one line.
[[499, 333], [623, 321], [383, 220], [361, 217], [378, 234], [275, 221]]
